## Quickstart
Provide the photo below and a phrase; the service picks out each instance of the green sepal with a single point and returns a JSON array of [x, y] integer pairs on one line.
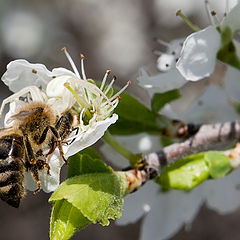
[[160, 99], [228, 52]]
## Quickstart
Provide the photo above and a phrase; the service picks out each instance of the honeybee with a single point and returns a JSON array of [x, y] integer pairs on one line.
[[36, 127]]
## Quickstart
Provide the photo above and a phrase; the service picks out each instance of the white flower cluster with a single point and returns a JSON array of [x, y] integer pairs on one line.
[[62, 90], [196, 59], [202, 101]]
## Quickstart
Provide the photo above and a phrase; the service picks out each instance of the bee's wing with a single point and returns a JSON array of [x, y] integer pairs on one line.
[[4, 129], [24, 113]]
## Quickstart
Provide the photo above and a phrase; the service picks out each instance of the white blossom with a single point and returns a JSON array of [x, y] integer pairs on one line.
[[199, 53], [198, 57], [64, 90], [169, 78]]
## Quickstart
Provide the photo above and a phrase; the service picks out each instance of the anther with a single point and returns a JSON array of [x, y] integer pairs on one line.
[[82, 56], [213, 13]]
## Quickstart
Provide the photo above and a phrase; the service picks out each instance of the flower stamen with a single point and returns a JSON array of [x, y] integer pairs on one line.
[[105, 78], [64, 49], [187, 21], [110, 85], [160, 41], [120, 91], [82, 67], [157, 52], [211, 14]]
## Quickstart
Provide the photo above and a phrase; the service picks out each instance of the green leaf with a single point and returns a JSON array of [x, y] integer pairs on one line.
[[228, 52], [87, 161], [92, 193], [99, 196], [135, 118], [218, 163], [160, 99], [189, 172], [65, 220], [186, 173]]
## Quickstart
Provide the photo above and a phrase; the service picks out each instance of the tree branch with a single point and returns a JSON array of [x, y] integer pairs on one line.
[[218, 136]]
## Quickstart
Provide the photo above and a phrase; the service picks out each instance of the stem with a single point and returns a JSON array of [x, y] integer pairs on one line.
[[194, 27], [133, 158], [209, 137]]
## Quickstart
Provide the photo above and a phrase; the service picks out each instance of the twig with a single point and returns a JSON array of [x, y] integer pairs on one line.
[[218, 136]]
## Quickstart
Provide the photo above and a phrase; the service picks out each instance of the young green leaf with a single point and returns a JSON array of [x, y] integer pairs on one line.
[[87, 161], [186, 173], [189, 172], [160, 99], [99, 196], [66, 220], [218, 163], [93, 193]]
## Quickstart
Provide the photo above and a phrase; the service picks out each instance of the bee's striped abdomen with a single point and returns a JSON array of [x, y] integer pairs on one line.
[[12, 169]]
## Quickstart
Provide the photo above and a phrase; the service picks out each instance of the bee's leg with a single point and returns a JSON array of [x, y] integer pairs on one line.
[[43, 164], [44, 135], [58, 142], [64, 125], [35, 173], [73, 129], [32, 163], [59, 122], [31, 157]]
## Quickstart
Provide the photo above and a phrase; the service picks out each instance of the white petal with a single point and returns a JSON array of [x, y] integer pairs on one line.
[[175, 47], [232, 83], [198, 56], [190, 93], [56, 88], [62, 71], [223, 194], [13, 108], [134, 204], [20, 73], [212, 106], [232, 19], [49, 183], [89, 137], [161, 82], [170, 212]]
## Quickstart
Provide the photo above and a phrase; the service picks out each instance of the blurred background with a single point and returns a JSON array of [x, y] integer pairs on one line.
[[116, 35]]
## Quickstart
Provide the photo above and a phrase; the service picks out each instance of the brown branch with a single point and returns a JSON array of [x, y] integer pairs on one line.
[[209, 137]]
